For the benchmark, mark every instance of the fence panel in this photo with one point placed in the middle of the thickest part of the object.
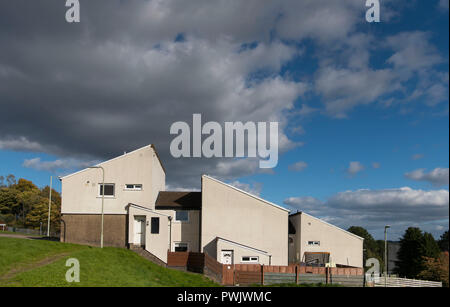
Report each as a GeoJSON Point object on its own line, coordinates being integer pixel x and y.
{"type": "Point", "coordinates": [247, 278]}
{"type": "Point", "coordinates": [279, 278]}
{"type": "Point", "coordinates": [347, 280]}
{"type": "Point", "coordinates": [213, 269]}
{"type": "Point", "coordinates": [186, 260]}
{"type": "Point", "coordinates": [312, 279]}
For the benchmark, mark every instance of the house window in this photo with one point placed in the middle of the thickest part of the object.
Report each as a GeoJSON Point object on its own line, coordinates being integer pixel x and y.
{"type": "Point", "coordinates": [182, 216]}
{"type": "Point", "coordinates": [250, 259]}
{"type": "Point", "coordinates": [313, 243]}
{"type": "Point", "coordinates": [108, 188]}
{"type": "Point", "coordinates": [155, 225]}
{"type": "Point", "coordinates": [181, 247]}
{"type": "Point", "coordinates": [133, 187]}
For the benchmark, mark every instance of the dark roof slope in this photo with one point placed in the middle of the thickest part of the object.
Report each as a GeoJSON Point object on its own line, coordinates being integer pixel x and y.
{"type": "Point", "coordinates": [179, 200]}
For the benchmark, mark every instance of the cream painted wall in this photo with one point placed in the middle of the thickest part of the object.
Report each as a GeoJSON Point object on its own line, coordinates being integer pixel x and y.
{"type": "Point", "coordinates": [236, 216]}
{"type": "Point", "coordinates": [80, 191]}
{"type": "Point", "coordinates": [186, 232]}
{"type": "Point", "coordinates": [239, 252]}
{"type": "Point", "coordinates": [344, 247]}
{"type": "Point", "coordinates": [157, 244]}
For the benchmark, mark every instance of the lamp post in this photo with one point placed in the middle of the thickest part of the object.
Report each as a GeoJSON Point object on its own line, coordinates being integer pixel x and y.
{"type": "Point", "coordinates": [103, 199]}
{"type": "Point", "coordinates": [385, 254]}
{"type": "Point", "coordinates": [49, 206]}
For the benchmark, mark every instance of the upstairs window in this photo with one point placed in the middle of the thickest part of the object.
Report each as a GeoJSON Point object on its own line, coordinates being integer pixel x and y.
{"type": "Point", "coordinates": [182, 216]}
{"type": "Point", "coordinates": [108, 190]}
{"type": "Point", "coordinates": [133, 187]}
{"type": "Point", "coordinates": [313, 243]}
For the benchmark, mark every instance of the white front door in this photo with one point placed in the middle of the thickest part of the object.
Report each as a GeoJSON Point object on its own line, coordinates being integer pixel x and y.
{"type": "Point", "coordinates": [139, 230]}
{"type": "Point", "coordinates": [227, 257]}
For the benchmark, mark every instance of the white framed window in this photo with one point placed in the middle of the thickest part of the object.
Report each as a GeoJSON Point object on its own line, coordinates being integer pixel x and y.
{"type": "Point", "coordinates": [313, 243]}
{"type": "Point", "coordinates": [182, 216]}
{"type": "Point", "coordinates": [109, 189]}
{"type": "Point", "coordinates": [181, 247]}
{"type": "Point", "coordinates": [250, 259]}
{"type": "Point", "coordinates": [133, 187]}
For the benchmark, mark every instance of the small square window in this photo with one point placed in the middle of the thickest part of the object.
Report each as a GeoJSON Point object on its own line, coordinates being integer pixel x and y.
{"type": "Point", "coordinates": [181, 247]}
{"type": "Point", "coordinates": [313, 243]}
{"type": "Point", "coordinates": [133, 187]}
{"type": "Point", "coordinates": [250, 259]}
{"type": "Point", "coordinates": [182, 216]}
{"type": "Point", "coordinates": [108, 188]}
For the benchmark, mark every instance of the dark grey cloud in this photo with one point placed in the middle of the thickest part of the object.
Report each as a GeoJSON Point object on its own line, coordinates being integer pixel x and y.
{"type": "Point", "coordinates": [117, 80]}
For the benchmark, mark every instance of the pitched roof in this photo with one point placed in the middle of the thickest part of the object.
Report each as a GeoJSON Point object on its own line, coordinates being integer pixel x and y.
{"type": "Point", "coordinates": [119, 157]}
{"type": "Point", "coordinates": [324, 222]}
{"type": "Point", "coordinates": [168, 200]}
{"type": "Point", "coordinates": [246, 193]}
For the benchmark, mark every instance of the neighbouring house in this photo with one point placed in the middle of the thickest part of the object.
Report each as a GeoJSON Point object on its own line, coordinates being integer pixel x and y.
{"type": "Point", "coordinates": [228, 224]}
{"type": "Point", "coordinates": [312, 240]}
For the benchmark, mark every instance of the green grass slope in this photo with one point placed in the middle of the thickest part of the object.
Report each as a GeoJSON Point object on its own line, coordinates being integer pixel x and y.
{"type": "Point", "coordinates": [43, 263]}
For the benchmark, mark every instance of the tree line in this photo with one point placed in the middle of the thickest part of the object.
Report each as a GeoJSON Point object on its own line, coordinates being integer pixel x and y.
{"type": "Point", "coordinates": [420, 256]}
{"type": "Point", "coordinates": [23, 204]}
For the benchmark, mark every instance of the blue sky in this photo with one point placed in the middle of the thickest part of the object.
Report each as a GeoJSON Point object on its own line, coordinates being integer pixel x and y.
{"type": "Point", "coordinates": [363, 108]}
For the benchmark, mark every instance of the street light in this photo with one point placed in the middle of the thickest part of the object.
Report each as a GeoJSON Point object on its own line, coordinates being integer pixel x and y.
{"type": "Point", "coordinates": [49, 206]}
{"type": "Point", "coordinates": [385, 254]}
{"type": "Point", "coordinates": [103, 199]}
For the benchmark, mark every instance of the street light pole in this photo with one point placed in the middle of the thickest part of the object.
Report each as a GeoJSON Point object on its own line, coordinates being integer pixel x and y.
{"type": "Point", "coordinates": [49, 207]}
{"type": "Point", "coordinates": [385, 254]}
{"type": "Point", "coordinates": [103, 199]}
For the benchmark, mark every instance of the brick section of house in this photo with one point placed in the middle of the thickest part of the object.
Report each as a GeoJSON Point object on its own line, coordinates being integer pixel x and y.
{"type": "Point", "coordinates": [86, 228]}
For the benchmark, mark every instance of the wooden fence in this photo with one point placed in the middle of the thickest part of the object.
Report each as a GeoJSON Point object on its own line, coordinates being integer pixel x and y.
{"type": "Point", "coordinates": [256, 274]}
{"type": "Point", "coordinates": [189, 261]}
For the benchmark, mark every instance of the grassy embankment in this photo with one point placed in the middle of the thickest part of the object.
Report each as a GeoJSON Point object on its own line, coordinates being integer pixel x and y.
{"type": "Point", "coordinates": [25, 262]}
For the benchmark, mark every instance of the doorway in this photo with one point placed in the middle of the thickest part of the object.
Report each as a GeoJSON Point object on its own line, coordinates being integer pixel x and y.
{"type": "Point", "coordinates": [226, 257]}
{"type": "Point", "coordinates": [139, 230]}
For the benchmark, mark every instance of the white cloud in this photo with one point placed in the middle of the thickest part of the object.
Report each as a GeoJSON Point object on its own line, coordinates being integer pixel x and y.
{"type": "Point", "coordinates": [376, 165]}
{"type": "Point", "coordinates": [298, 166]}
{"type": "Point", "coordinates": [372, 209]}
{"type": "Point", "coordinates": [443, 5]}
{"type": "Point", "coordinates": [254, 189]}
{"type": "Point", "coordinates": [56, 165]}
{"type": "Point", "coordinates": [234, 168]}
{"type": "Point", "coordinates": [413, 52]}
{"type": "Point", "coordinates": [343, 89]}
{"type": "Point", "coordinates": [306, 203]}
{"type": "Point", "coordinates": [382, 199]}
{"type": "Point", "coordinates": [354, 168]}
{"type": "Point", "coordinates": [438, 176]}
{"type": "Point", "coordinates": [20, 144]}
{"type": "Point", "coordinates": [417, 156]}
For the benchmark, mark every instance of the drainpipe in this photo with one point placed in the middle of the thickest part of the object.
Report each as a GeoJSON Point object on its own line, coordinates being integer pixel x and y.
{"type": "Point", "coordinates": [49, 207]}
{"type": "Point", "coordinates": [170, 233]}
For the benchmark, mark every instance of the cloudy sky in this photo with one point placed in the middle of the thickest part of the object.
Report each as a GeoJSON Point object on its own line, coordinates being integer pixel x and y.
{"type": "Point", "coordinates": [362, 108]}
